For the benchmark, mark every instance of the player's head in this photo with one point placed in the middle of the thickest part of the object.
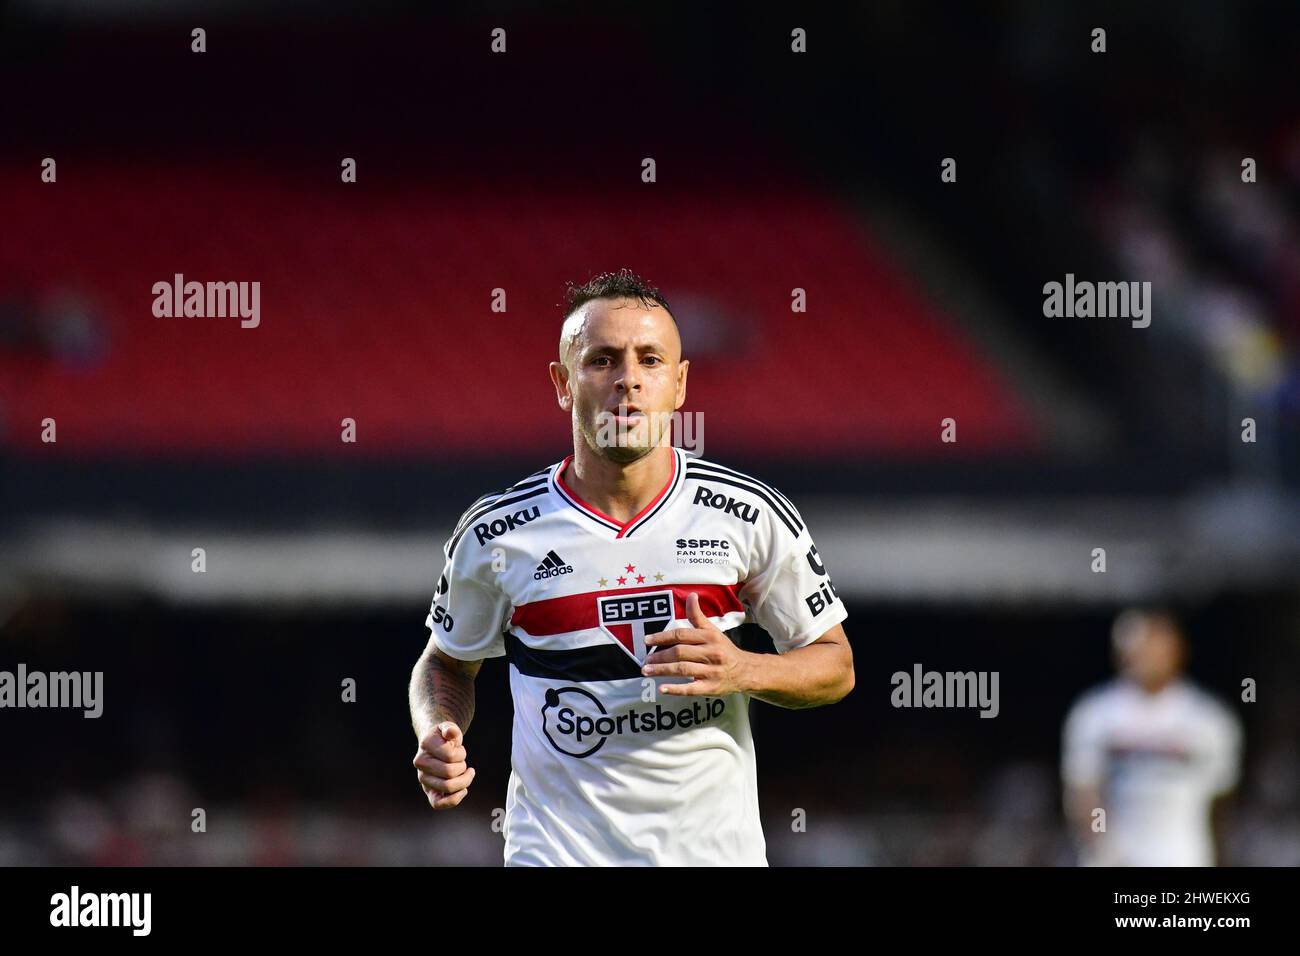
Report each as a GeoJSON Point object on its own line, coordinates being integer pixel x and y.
{"type": "Point", "coordinates": [621, 374]}
{"type": "Point", "coordinates": [1149, 646]}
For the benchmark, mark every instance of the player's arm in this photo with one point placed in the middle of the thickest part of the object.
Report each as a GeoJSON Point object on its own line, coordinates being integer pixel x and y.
{"type": "Point", "coordinates": [791, 596]}
{"type": "Point", "coordinates": [464, 623]}
{"type": "Point", "coordinates": [1224, 739]}
{"type": "Point", "coordinates": [1082, 762]}
{"type": "Point", "coordinates": [442, 706]}
{"type": "Point", "coordinates": [442, 688]}
{"type": "Point", "coordinates": [1081, 803]}
{"type": "Point", "coordinates": [814, 675]}
{"type": "Point", "coordinates": [818, 673]}
{"type": "Point", "coordinates": [1220, 813]}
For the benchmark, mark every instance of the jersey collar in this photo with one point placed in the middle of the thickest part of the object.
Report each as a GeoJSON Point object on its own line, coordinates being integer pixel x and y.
{"type": "Point", "coordinates": [638, 521]}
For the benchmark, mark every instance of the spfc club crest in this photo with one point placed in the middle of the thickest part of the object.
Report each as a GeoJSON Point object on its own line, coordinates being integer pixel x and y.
{"type": "Point", "coordinates": [628, 618]}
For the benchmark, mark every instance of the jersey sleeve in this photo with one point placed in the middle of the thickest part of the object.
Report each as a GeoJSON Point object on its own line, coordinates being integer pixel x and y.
{"type": "Point", "coordinates": [789, 592]}
{"type": "Point", "coordinates": [1083, 745]}
{"type": "Point", "coordinates": [1223, 749]}
{"type": "Point", "coordinates": [468, 615]}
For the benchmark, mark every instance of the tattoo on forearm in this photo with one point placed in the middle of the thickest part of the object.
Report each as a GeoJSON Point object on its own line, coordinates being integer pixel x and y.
{"type": "Point", "coordinates": [444, 694]}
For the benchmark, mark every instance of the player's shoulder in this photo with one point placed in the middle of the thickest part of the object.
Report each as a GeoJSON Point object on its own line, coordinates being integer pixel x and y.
{"type": "Point", "coordinates": [528, 493]}
{"type": "Point", "coordinates": [532, 485]}
{"type": "Point", "coordinates": [1207, 703]}
{"type": "Point", "coordinates": [739, 492]}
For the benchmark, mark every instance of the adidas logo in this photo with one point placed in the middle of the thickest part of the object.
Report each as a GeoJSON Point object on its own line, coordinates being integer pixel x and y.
{"type": "Point", "coordinates": [552, 566]}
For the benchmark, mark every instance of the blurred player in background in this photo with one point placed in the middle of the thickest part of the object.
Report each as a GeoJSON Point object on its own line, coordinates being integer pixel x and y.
{"type": "Point", "coordinates": [1154, 751]}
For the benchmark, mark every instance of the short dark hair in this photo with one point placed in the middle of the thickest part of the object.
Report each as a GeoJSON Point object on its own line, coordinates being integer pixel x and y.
{"type": "Point", "coordinates": [623, 284]}
{"type": "Point", "coordinates": [1148, 612]}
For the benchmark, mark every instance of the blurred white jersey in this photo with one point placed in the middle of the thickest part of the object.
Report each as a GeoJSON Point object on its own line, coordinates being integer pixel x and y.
{"type": "Point", "coordinates": [605, 770]}
{"type": "Point", "coordinates": [1159, 761]}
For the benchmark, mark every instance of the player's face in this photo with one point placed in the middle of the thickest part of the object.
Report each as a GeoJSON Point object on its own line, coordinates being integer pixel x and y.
{"type": "Point", "coordinates": [1154, 654]}
{"type": "Point", "coordinates": [622, 378]}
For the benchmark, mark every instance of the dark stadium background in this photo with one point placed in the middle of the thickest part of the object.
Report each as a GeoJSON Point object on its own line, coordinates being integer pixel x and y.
{"type": "Point", "coordinates": [521, 171]}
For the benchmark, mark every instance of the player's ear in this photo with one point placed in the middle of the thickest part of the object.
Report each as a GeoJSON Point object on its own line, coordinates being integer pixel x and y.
{"type": "Point", "coordinates": [560, 379]}
{"type": "Point", "coordinates": [683, 367]}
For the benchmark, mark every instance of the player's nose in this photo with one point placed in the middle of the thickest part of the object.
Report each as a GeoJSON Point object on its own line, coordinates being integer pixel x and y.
{"type": "Point", "coordinates": [630, 380]}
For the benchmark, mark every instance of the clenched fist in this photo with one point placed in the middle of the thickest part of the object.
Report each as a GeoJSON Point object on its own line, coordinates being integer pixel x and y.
{"type": "Point", "coordinates": [441, 767]}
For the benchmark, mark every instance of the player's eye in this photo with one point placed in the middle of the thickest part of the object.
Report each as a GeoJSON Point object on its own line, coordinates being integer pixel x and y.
{"type": "Point", "coordinates": [653, 359]}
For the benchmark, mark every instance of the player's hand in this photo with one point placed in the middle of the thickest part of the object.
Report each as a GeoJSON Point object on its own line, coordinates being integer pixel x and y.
{"type": "Point", "coordinates": [441, 767]}
{"type": "Point", "coordinates": [701, 651]}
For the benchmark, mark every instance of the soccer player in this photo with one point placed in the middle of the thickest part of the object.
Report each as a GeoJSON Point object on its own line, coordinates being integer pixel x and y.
{"type": "Point", "coordinates": [1150, 748]}
{"type": "Point", "coordinates": [610, 582]}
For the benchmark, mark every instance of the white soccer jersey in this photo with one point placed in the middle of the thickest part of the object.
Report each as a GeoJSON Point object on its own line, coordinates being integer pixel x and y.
{"type": "Point", "coordinates": [1160, 760]}
{"type": "Point", "coordinates": [605, 770]}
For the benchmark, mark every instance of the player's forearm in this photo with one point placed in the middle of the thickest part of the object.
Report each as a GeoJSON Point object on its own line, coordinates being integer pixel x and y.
{"type": "Point", "coordinates": [1081, 805]}
{"type": "Point", "coordinates": [1218, 827]}
{"type": "Point", "coordinates": [811, 676]}
{"type": "Point", "coordinates": [439, 693]}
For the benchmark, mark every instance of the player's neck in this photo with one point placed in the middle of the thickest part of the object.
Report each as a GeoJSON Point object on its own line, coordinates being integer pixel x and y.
{"type": "Point", "coordinates": [620, 491]}
{"type": "Point", "coordinates": [1152, 688]}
